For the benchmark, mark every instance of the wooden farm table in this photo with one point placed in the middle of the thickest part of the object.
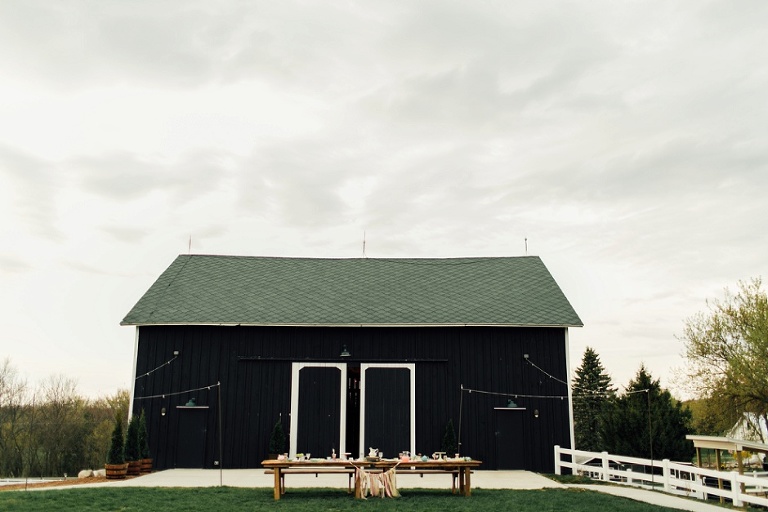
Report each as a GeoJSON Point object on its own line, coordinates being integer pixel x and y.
{"type": "Point", "coordinates": [462, 468]}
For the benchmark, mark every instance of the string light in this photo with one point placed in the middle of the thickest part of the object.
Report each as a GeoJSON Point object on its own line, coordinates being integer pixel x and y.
{"type": "Point", "coordinates": [527, 360]}
{"type": "Point", "coordinates": [511, 395]}
{"type": "Point", "coordinates": [153, 371]}
{"type": "Point", "coordinates": [561, 397]}
{"type": "Point", "coordinates": [179, 393]}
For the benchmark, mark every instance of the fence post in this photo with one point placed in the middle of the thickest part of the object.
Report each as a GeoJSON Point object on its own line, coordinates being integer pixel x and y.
{"type": "Point", "coordinates": [700, 493]}
{"type": "Point", "coordinates": [557, 460]}
{"type": "Point", "coordinates": [736, 489]}
{"type": "Point", "coordinates": [606, 467]}
{"type": "Point", "coordinates": [667, 474]}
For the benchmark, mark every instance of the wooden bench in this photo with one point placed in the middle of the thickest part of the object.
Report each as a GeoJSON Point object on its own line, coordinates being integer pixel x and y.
{"type": "Point", "coordinates": [313, 471]}
{"type": "Point", "coordinates": [351, 474]}
{"type": "Point", "coordinates": [421, 472]}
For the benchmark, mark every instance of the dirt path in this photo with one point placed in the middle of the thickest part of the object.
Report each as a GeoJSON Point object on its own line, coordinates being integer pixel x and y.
{"type": "Point", "coordinates": [36, 484]}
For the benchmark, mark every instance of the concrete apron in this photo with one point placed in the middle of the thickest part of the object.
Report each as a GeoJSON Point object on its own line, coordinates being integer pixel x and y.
{"type": "Point", "coordinates": [257, 478]}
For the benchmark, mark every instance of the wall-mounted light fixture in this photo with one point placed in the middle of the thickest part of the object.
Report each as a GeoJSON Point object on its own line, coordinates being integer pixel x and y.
{"type": "Point", "coordinates": [162, 411]}
{"type": "Point", "coordinates": [344, 351]}
{"type": "Point", "coordinates": [525, 356]}
{"type": "Point", "coordinates": [176, 352]}
{"type": "Point", "coordinates": [535, 413]}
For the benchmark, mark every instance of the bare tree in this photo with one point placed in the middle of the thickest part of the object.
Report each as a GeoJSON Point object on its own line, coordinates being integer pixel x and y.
{"type": "Point", "coordinates": [53, 430]}
{"type": "Point", "coordinates": [62, 429]}
{"type": "Point", "coordinates": [102, 413]}
{"type": "Point", "coordinates": [13, 392]}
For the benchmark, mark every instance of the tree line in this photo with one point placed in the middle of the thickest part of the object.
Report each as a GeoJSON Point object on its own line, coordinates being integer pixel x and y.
{"type": "Point", "coordinates": [643, 421]}
{"type": "Point", "coordinates": [726, 349]}
{"type": "Point", "coordinates": [52, 430]}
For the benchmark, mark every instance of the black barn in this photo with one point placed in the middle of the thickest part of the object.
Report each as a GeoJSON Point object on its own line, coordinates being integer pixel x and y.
{"type": "Point", "coordinates": [351, 354]}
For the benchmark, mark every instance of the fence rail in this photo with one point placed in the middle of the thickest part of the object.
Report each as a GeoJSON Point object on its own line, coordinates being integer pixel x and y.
{"type": "Point", "coordinates": [664, 475]}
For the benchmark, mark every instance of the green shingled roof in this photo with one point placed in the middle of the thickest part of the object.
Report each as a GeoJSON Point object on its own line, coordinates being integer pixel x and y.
{"type": "Point", "coordinates": [198, 289]}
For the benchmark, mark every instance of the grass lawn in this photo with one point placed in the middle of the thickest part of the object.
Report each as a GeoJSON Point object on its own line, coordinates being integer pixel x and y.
{"type": "Point", "coordinates": [312, 500]}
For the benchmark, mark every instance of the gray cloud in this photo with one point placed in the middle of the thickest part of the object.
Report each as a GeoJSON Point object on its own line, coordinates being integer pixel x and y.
{"type": "Point", "coordinates": [125, 176]}
{"type": "Point", "coordinates": [106, 42]}
{"type": "Point", "coordinates": [129, 235]}
{"type": "Point", "coordinates": [169, 44]}
{"type": "Point", "coordinates": [13, 264]}
{"type": "Point", "coordinates": [298, 184]}
{"type": "Point", "coordinates": [34, 182]}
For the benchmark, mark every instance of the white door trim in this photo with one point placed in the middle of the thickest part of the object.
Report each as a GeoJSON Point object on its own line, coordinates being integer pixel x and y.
{"type": "Point", "coordinates": [295, 369]}
{"type": "Point", "coordinates": [411, 367]}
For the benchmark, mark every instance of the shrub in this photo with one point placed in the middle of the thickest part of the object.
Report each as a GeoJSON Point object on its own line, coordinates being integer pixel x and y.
{"type": "Point", "coordinates": [117, 448]}
{"type": "Point", "coordinates": [450, 446]}
{"type": "Point", "coordinates": [277, 439]}
{"type": "Point", "coordinates": [132, 440]}
{"type": "Point", "coordinates": [143, 439]}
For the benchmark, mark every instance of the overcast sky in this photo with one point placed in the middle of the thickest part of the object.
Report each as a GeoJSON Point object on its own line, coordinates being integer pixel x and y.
{"type": "Point", "coordinates": [627, 141]}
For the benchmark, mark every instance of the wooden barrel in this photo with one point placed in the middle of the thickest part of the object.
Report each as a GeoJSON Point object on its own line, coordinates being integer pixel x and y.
{"type": "Point", "coordinates": [134, 467]}
{"type": "Point", "coordinates": [115, 471]}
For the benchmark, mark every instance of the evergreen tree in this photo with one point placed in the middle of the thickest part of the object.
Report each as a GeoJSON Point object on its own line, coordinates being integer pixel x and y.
{"type": "Point", "coordinates": [132, 450]}
{"type": "Point", "coordinates": [143, 437]}
{"type": "Point", "coordinates": [117, 451]}
{"type": "Point", "coordinates": [591, 392]}
{"type": "Point", "coordinates": [277, 438]}
{"type": "Point", "coordinates": [647, 422]}
{"type": "Point", "coordinates": [450, 444]}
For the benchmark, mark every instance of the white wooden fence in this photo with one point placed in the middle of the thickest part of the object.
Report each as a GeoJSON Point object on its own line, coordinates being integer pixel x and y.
{"type": "Point", "coordinates": [663, 475]}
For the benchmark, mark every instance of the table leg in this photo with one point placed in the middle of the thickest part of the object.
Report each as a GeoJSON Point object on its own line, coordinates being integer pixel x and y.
{"type": "Point", "coordinates": [277, 483]}
{"type": "Point", "coordinates": [467, 486]}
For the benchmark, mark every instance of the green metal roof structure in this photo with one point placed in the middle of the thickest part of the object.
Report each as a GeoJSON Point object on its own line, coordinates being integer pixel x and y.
{"type": "Point", "coordinates": [240, 290]}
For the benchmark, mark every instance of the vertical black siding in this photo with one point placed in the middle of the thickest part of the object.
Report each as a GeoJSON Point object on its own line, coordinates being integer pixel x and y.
{"type": "Point", "coordinates": [253, 365]}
